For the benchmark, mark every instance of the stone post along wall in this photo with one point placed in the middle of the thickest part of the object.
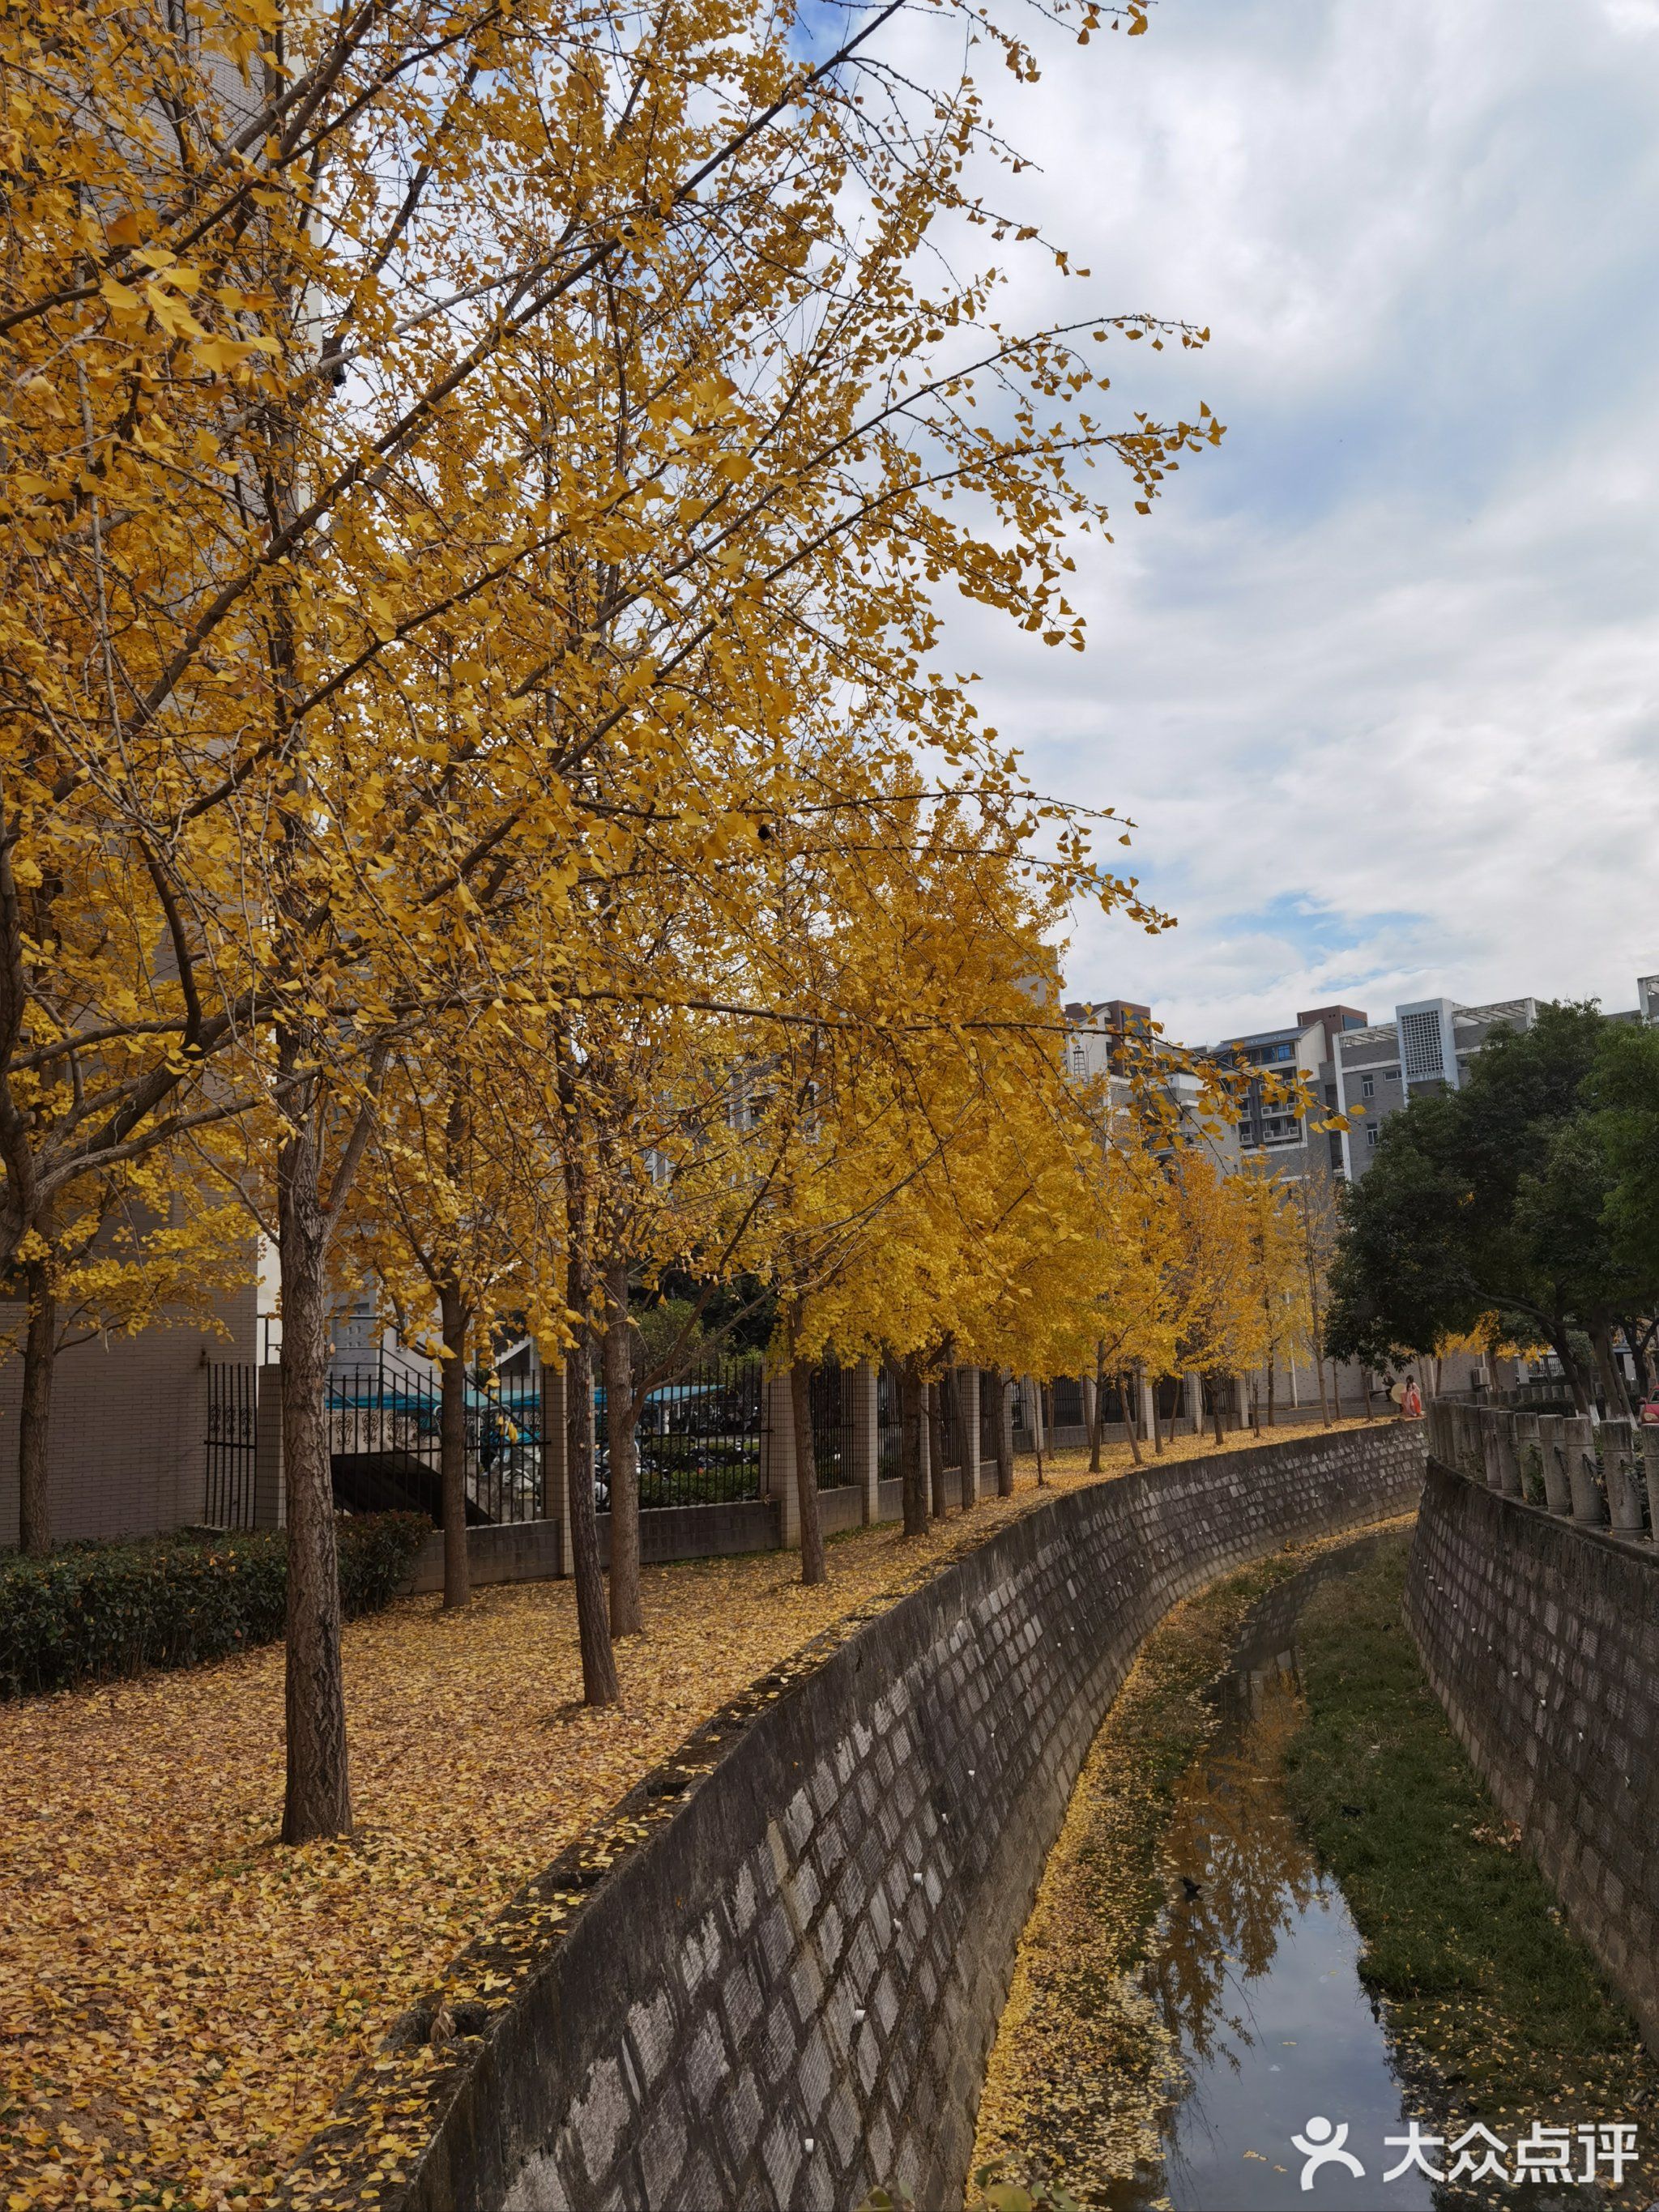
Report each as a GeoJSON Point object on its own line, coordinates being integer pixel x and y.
{"type": "Point", "coordinates": [785, 1995]}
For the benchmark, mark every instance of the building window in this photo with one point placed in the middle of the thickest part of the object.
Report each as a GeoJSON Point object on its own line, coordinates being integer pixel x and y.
{"type": "Point", "coordinates": [1370, 1136]}
{"type": "Point", "coordinates": [1367, 1086]}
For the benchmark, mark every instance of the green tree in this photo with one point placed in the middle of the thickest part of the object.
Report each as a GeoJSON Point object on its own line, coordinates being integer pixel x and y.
{"type": "Point", "coordinates": [1492, 1206]}
{"type": "Point", "coordinates": [1625, 1092]}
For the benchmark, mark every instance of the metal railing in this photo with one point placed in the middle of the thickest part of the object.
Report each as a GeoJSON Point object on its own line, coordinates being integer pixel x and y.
{"type": "Point", "coordinates": [831, 1396]}
{"type": "Point", "coordinates": [232, 1420]}
{"type": "Point", "coordinates": [889, 1422]}
{"type": "Point", "coordinates": [384, 1447]}
{"type": "Point", "coordinates": [994, 1396]}
{"type": "Point", "coordinates": [1065, 1402]}
{"type": "Point", "coordinates": [699, 1438]}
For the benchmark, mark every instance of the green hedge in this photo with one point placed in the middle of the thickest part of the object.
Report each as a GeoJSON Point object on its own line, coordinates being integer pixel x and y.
{"type": "Point", "coordinates": [92, 1611]}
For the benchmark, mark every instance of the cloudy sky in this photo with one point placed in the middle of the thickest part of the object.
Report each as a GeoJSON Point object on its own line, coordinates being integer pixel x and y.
{"type": "Point", "coordinates": [1379, 679]}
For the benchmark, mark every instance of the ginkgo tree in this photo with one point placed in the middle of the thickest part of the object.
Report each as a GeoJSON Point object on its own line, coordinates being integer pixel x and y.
{"type": "Point", "coordinates": [414, 414]}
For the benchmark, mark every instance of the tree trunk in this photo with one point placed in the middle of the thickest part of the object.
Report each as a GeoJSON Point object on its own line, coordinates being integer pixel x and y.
{"type": "Point", "coordinates": [1148, 1397]}
{"type": "Point", "coordinates": [599, 1683]}
{"type": "Point", "coordinates": [1255, 1407]}
{"type": "Point", "coordinates": [451, 1445]}
{"type": "Point", "coordinates": [319, 1795]}
{"type": "Point", "coordinates": [936, 1450]}
{"type": "Point", "coordinates": [1217, 1413]}
{"type": "Point", "coordinates": [622, 1423]}
{"type": "Point", "coordinates": [1336, 1389]}
{"type": "Point", "coordinates": [1130, 1426]}
{"type": "Point", "coordinates": [1606, 1366]}
{"type": "Point", "coordinates": [1319, 1376]}
{"type": "Point", "coordinates": [1097, 1417]}
{"type": "Point", "coordinates": [814, 1568]}
{"type": "Point", "coordinates": [1004, 1447]}
{"type": "Point", "coordinates": [1273, 1391]}
{"type": "Point", "coordinates": [1639, 1342]}
{"type": "Point", "coordinates": [35, 1415]}
{"type": "Point", "coordinates": [913, 1467]}
{"type": "Point", "coordinates": [1583, 1397]}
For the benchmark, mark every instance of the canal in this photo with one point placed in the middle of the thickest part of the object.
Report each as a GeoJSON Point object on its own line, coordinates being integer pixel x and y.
{"type": "Point", "coordinates": [1243, 2021]}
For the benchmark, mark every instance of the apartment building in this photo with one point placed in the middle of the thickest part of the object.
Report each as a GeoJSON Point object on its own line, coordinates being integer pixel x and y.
{"type": "Point", "coordinates": [1291, 1137]}
{"type": "Point", "coordinates": [1108, 1038]}
{"type": "Point", "coordinates": [1428, 1046]}
{"type": "Point", "coordinates": [1346, 1065]}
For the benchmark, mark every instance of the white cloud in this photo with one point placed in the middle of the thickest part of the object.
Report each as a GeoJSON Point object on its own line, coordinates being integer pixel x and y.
{"type": "Point", "coordinates": [1380, 678]}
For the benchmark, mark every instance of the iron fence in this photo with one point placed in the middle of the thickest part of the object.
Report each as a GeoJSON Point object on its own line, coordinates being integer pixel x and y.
{"type": "Point", "coordinates": [889, 1422]}
{"type": "Point", "coordinates": [700, 1438]}
{"type": "Point", "coordinates": [233, 1411]}
{"type": "Point", "coordinates": [831, 1396]}
{"type": "Point", "coordinates": [993, 1401]}
{"type": "Point", "coordinates": [1065, 1402]}
{"type": "Point", "coordinates": [384, 1444]}
{"type": "Point", "coordinates": [949, 1436]}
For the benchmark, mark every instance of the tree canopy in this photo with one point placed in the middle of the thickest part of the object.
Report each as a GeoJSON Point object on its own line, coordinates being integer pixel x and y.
{"type": "Point", "coordinates": [1513, 1206]}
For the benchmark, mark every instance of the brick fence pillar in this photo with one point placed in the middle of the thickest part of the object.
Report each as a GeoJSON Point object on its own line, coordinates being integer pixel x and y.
{"type": "Point", "coordinates": [778, 1454]}
{"type": "Point", "coordinates": [867, 1440]}
{"type": "Point", "coordinates": [1588, 1505]}
{"type": "Point", "coordinates": [269, 1486]}
{"type": "Point", "coordinates": [967, 1399]}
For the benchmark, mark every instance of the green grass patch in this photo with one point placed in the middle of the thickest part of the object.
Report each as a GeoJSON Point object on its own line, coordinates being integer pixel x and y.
{"type": "Point", "coordinates": [1463, 1937]}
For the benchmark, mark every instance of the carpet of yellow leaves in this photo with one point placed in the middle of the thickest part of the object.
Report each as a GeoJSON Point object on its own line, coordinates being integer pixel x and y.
{"type": "Point", "coordinates": [182, 1999]}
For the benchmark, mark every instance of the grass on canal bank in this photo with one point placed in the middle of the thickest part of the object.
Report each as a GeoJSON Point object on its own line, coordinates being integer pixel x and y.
{"type": "Point", "coordinates": [1463, 1939]}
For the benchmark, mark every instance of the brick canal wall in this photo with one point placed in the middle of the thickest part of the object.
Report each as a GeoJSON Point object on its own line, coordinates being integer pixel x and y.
{"type": "Point", "coordinates": [1542, 1638]}
{"type": "Point", "coordinates": [785, 1994]}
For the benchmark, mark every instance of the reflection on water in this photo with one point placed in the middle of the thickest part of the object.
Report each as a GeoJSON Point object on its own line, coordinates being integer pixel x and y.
{"type": "Point", "coordinates": [1255, 1974]}
{"type": "Point", "coordinates": [1257, 1971]}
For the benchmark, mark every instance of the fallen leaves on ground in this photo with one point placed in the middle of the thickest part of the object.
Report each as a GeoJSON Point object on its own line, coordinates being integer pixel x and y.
{"type": "Point", "coordinates": [182, 1998]}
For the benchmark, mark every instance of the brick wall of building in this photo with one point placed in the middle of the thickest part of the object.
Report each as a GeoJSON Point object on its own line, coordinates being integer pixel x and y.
{"type": "Point", "coordinates": [1541, 1638]}
{"type": "Point", "coordinates": [785, 1993]}
{"type": "Point", "coordinates": [128, 1425]}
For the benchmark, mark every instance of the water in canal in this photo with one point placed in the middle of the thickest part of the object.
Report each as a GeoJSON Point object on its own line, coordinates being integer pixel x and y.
{"type": "Point", "coordinates": [1256, 1977]}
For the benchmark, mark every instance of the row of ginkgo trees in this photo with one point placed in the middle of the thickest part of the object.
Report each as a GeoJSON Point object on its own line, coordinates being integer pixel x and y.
{"type": "Point", "coordinates": [477, 488]}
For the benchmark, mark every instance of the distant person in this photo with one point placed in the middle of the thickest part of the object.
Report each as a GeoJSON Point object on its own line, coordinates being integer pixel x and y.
{"type": "Point", "coordinates": [1411, 1401]}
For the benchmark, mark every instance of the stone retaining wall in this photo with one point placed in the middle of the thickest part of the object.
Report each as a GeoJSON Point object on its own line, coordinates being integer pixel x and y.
{"type": "Point", "coordinates": [785, 1993]}
{"type": "Point", "coordinates": [1542, 1638]}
